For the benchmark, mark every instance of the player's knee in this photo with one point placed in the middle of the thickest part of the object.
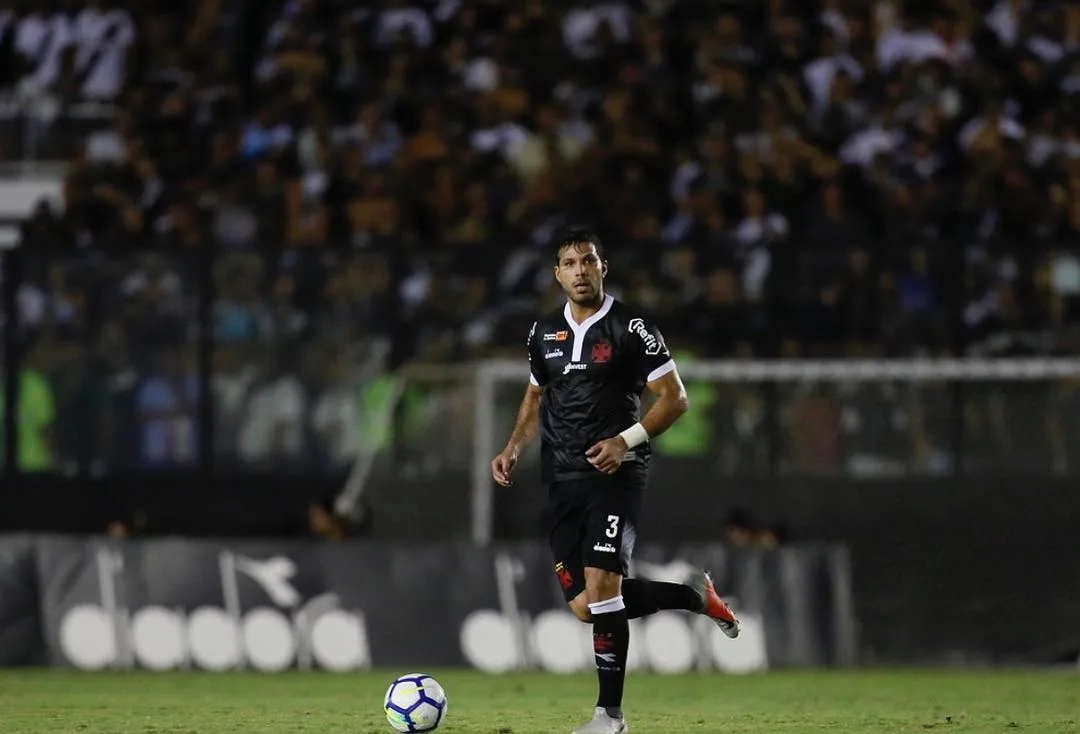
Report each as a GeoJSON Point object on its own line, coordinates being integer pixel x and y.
{"type": "Point", "coordinates": [602, 585]}
{"type": "Point", "coordinates": [579, 605]}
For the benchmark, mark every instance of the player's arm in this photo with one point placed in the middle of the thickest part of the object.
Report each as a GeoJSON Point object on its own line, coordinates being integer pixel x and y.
{"type": "Point", "coordinates": [662, 378]}
{"type": "Point", "coordinates": [527, 424]}
{"type": "Point", "coordinates": [525, 427]}
{"type": "Point", "coordinates": [671, 402]}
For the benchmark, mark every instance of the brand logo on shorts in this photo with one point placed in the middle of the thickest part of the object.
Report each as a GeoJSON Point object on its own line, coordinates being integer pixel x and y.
{"type": "Point", "coordinates": [604, 548]}
{"type": "Point", "coordinates": [553, 355]}
{"type": "Point", "coordinates": [558, 336]}
{"type": "Point", "coordinates": [601, 352]}
{"type": "Point", "coordinates": [574, 366]}
{"type": "Point", "coordinates": [563, 574]}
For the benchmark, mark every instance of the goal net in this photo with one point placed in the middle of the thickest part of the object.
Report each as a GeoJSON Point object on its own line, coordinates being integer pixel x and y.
{"type": "Point", "coordinates": [846, 418]}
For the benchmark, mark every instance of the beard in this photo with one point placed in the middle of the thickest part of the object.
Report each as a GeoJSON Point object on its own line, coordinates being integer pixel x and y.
{"type": "Point", "coordinates": [591, 298]}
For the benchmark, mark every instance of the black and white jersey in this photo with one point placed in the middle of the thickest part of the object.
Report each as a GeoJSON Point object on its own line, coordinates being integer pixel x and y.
{"type": "Point", "coordinates": [593, 375]}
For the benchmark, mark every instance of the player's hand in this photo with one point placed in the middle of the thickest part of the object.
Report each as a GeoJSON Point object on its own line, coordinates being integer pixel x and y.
{"type": "Point", "coordinates": [607, 455]}
{"type": "Point", "coordinates": [502, 466]}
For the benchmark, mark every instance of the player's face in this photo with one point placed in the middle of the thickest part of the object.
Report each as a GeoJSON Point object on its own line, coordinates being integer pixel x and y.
{"type": "Point", "coordinates": [581, 273]}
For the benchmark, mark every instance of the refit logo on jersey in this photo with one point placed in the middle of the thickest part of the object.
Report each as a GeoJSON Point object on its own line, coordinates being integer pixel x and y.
{"type": "Point", "coordinates": [558, 336]}
{"type": "Point", "coordinates": [570, 367]}
{"type": "Point", "coordinates": [653, 346]}
{"type": "Point", "coordinates": [553, 355]}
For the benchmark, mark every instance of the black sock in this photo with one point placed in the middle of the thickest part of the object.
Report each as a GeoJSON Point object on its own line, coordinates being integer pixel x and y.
{"type": "Point", "coordinates": [649, 597]}
{"type": "Point", "coordinates": [611, 642]}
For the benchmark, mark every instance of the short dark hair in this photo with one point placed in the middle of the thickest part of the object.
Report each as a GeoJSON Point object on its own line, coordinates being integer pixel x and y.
{"type": "Point", "coordinates": [577, 236]}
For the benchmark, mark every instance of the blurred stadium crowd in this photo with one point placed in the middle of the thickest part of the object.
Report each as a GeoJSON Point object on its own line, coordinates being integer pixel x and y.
{"type": "Point", "coordinates": [772, 177]}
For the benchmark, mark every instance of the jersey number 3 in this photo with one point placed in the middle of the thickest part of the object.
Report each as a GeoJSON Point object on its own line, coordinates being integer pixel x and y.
{"type": "Point", "coordinates": [613, 526]}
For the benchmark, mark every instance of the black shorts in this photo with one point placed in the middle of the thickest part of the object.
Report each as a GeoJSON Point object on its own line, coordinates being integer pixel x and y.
{"type": "Point", "coordinates": [594, 524]}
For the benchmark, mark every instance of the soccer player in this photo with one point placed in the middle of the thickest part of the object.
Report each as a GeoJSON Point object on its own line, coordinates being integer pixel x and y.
{"type": "Point", "coordinates": [589, 363]}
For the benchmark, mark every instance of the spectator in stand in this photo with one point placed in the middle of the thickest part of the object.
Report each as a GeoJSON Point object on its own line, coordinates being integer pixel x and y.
{"type": "Point", "coordinates": [852, 178]}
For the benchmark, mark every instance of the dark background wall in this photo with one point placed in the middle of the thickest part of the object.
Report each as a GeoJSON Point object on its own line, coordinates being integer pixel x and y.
{"type": "Point", "coordinates": [956, 570]}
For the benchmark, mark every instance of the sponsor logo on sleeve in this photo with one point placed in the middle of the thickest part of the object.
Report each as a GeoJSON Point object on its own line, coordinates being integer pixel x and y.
{"type": "Point", "coordinates": [653, 345]}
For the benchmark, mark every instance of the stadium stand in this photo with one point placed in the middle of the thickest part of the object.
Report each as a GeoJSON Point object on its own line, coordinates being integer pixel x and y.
{"type": "Point", "coordinates": [777, 178]}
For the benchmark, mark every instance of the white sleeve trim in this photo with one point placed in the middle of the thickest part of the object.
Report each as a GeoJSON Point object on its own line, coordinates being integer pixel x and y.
{"type": "Point", "coordinates": [533, 380]}
{"type": "Point", "coordinates": [661, 370]}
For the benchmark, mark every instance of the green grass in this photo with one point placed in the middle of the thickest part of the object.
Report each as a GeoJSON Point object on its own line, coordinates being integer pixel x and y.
{"type": "Point", "coordinates": [35, 702]}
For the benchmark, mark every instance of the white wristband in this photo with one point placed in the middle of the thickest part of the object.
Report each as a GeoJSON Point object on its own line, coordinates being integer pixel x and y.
{"type": "Point", "coordinates": [635, 435]}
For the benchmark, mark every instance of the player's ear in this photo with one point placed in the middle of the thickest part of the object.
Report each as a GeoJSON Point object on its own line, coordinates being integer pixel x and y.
{"type": "Point", "coordinates": [603, 268]}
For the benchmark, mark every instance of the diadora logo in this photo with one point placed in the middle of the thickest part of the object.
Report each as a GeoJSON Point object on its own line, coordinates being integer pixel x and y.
{"type": "Point", "coordinates": [653, 345]}
{"type": "Point", "coordinates": [604, 548]}
{"type": "Point", "coordinates": [553, 355]}
{"type": "Point", "coordinates": [558, 336]}
{"type": "Point", "coordinates": [292, 630]}
{"type": "Point", "coordinates": [570, 367]}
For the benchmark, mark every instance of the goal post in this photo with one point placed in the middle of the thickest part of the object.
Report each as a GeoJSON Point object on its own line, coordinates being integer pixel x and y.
{"type": "Point", "coordinates": [493, 378]}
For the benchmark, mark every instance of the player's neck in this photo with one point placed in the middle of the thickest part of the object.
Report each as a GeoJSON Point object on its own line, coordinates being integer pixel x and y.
{"type": "Point", "coordinates": [579, 311]}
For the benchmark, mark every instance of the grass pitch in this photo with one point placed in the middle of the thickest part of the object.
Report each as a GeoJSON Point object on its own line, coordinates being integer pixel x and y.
{"type": "Point", "coordinates": [36, 702]}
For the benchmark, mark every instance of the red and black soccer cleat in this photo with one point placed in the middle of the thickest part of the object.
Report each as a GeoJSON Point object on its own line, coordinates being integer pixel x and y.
{"type": "Point", "coordinates": [713, 606]}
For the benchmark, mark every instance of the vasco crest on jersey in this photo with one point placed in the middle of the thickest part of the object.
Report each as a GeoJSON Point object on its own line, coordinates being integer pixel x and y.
{"type": "Point", "coordinates": [601, 352]}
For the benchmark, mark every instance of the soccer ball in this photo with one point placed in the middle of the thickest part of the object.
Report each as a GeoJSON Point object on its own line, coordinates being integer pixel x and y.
{"type": "Point", "coordinates": [415, 702]}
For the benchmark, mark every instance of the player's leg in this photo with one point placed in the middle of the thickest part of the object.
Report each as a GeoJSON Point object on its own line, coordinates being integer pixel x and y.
{"type": "Point", "coordinates": [568, 509]}
{"type": "Point", "coordinates": [640, 596]}
{"type": "Point", "coordinates": [643, 598]}
{"type": "Point", "coordinates": [609, 539]}
{"type": "Point", "coordinates": [697, 595]}
{"type": "Point", "coordinates": [568, 504]}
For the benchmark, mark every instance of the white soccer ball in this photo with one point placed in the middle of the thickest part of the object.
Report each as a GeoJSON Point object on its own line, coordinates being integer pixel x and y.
{"type": "Point", "coordinates": [415, 702]}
